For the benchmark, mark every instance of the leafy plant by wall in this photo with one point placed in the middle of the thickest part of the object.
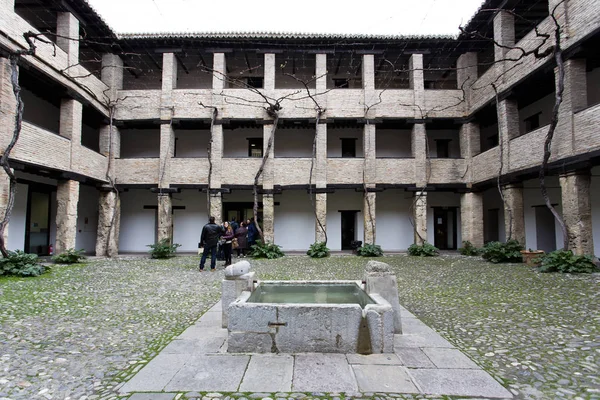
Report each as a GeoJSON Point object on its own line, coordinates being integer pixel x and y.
{"type": "Point", "coordinates": [18, 263]}
{"type": "Point", "coordinates": [498, 252]}
{"type": "Point", "coordinates": [567, 262]}
{"type": "Point", "coordinates": [318, 250]}
{"type": "Point", "coordinates": [424, 250]}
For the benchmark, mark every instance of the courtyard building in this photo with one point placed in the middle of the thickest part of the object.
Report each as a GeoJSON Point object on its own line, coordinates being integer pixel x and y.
{"type": "Point", "coordinates": [391, 140]}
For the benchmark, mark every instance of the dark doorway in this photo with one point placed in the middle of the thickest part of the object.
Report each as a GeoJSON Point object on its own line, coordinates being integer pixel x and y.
{"type": "Point", "coordinates": [445, 232]}
{"type": "Point", "coordinates": [493, 215]}
{"type": "Point", "coordinates": [545, 229]}
{"type": "Point", "coordinates": [241, 211]}
{"type": "Point", "coordinates": [37, 226]}
{"type": "Point", "coordinates": [348, 229]}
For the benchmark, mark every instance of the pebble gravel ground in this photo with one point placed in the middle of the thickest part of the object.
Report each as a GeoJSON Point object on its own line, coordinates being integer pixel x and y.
{"type": "Point", "coordinates": [81, 331]}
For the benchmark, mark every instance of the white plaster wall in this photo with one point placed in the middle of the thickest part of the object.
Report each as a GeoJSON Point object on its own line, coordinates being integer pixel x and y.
{"type": "Point", "coordinates": [595, 194]}
{"type": "Point", "coordinates": [87, 219]}
{"type": "Point", "coordinates": [453, 146]}
{"type": "Point", "coordinates": [40, 112]}
{"type": "Point", "coordinates": [394, 231]}
{"type": "Point", "coordinates": [188, 223]}
{"type": "Point", "coordinates": [294, 221]}
{"type": "Point", "coordinates": [334, 144]}
{"type": "Point", "coordinates": [138, 226]}
{"type": "Point", "coordinates": [543, 105]}
{"type": "Point", "coordinates": [593, 87]}
{"type": "Point", "coordinates": [140, 143]}
{"type": "Point", "coordinates": [292, 142]}
{"type": "Point", "coordinates": [235, 141]}
{"type": "Point", "coordinates": [16, 227]}
{"type": "Point", "coordinates": [443, 199]}
{"type": "Point", "coordinates": [532, 196]}
{"type": "Point", "coordinates": [346, 199]}
{"type": "Point", "coordinates": [394, 143]}
{"type": "Point", "coordinates": [191, 143]}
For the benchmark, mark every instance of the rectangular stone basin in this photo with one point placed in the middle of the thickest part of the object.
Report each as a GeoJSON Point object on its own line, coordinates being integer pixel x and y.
{"type": "Point", "coordinates": [310, 316]}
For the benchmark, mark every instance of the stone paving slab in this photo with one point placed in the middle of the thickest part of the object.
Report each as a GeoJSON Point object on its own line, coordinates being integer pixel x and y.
{"type": "Point", "coordinates": [423, 362]}
{"type": "Point", "coordinates": [458, 382]}
{"type": "Point", "coordinates": [449, 358]}
{"type": "Point", "coordinates": [374, 359]}
{"type": "Point", "coordinates": [413, 357]}
{"type": "Point", "coordinates": [268, 373]}
{"type": "Point", "coordinates": [155, 376]}
{"type": "Point", "coordinates": [195, 346]}
{"type": "Point", "coordinates": [210, 373]}
{"type": "Point", "coordinates": [317, 372]}
{"type": "Point", "coordinates": [153, 396]}
{"type": "Point", "coordinates": [383, 378]}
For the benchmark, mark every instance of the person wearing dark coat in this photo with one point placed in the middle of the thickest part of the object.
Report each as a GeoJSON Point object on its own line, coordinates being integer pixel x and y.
{"type": "Point", "coordinates": [228, 237]}
{"type": "Point", "coordinates": [209, 238]}
{"type": "Point", "coordinates": [240, 235]}
{"type": "Point", "coordinates": [252, 233]}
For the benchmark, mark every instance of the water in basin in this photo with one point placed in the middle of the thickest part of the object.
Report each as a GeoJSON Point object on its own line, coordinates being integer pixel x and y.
{"type": "Point", "coordinates": [311, 293]}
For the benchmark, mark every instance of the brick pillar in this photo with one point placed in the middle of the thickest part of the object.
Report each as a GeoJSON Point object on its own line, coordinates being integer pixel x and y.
{"type": "Point", "coordinates": [216, 207]}
{"type": "Point", "coordinates": [4, 192]}
{"type": "Point", "coordinates": [67, 30]}
{"type": "Point", "coordinates": [577, 211]}
{"type": "Point", "coordinates": [369, 217]}
{"type": "Point", "coordinates": [267, 178]}
{"type": "Point", "coordinates": [320, 181]}
{"type": "Point", "coordinates": [504, 33]}
{"type": "Point", "coordinates": [368, 72]}
{"type": "Point", "coordinates": [470, 146]}
{"type": "Point", "coordinates": [167, 148]}
{"type": "Point", "coordinates": [471, 218]}
{"type": "Point", "coordinates": [420, 217]}
{"type": "Point", "coordinates": [466, 73]}
{"type": "Point", "coordinates": [269, 78]}
{"type": "Point", "coordinates": [7, 6]}
{"type": "Point", "coordinates": [110, 141]}
{"type": "Point", "coordinates": [268, 218]}
{"type": "Point", "coordinates": [67, 197]}
{"type": "Point", "coordinates": [508, 128]}
{"type": "Point", "coordinates": [466, 70]}
{"type": "Point", "coordinates": [417, 84]}
{"type": "Point", "coordinates": [321, 74]}
{"type": "Point", "coordinates": [321, 208]}
{"type": "Point", "coordinates": [112, 73]}
{"type": "Point", "coordinates": [574, 99]}
{"type": "Point", "coordinates": [70, 120]}
{"type": "Point", "coordinates": [513, 197]}
{"type": "Point", "coordinates": [109, 220]}
{"type": "Point", "coordinates": [419, 153]}
{"type": "Point", "coordinates": [219, 71]}
{"type": "Point", "coordinates": [165, 217]}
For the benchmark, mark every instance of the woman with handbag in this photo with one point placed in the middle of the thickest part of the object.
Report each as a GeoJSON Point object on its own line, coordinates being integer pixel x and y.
{"type": "Point", "coordinates": [228, 237]}
{"type": "Point", "coordinates": [242, 240]}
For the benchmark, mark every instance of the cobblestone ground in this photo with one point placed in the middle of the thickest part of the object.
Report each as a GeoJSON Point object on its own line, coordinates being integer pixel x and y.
{"type": "Point", "coordinates": [81, 331]}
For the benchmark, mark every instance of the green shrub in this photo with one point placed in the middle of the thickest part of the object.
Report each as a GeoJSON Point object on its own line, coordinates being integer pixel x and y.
{"type": "Point", "coordinates": [71, 256]}
{"type": "Point", "coordinates": [498, 252]}
{"type": "Point", "coordinates": [318, 250]}
{"type": "Point", "coordinates": [163, 249]}
{"type": "Point", "coordinates": [425, 250]}
{"type": "Point", "coordinates": [567, 262]}
{"type": "Point", "coordinates": [369, 250]}
{"type": "Point", "coordinates": [266, 250]}
{"type": "Point", "coordinates": [468, 249]}
{"type": "Point", "coordinates": [21, 264]}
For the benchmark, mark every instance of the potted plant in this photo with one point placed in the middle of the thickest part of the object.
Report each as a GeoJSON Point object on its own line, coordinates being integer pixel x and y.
{"type": "Point", "coordinates": [532, 257]}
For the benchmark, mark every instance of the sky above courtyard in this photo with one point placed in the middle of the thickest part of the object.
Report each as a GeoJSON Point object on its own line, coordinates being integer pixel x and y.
{"type": "Point", "coordinates": [374, 17]}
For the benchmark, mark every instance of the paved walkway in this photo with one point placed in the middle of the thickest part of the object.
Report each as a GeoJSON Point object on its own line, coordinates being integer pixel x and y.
{"type": "Point", "coordinates": [423, 363]}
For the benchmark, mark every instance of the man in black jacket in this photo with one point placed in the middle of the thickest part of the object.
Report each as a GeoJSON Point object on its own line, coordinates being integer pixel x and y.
{"type": "Point", "coordinates": [211, 233]}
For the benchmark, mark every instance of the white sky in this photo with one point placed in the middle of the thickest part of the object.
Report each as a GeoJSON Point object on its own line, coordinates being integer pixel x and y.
{"type": "Point", "coordinates": [389, 17]}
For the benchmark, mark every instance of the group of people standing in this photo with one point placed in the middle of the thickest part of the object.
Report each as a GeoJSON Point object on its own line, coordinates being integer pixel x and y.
{"type": "Point", "coordinates": [231, 235]}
